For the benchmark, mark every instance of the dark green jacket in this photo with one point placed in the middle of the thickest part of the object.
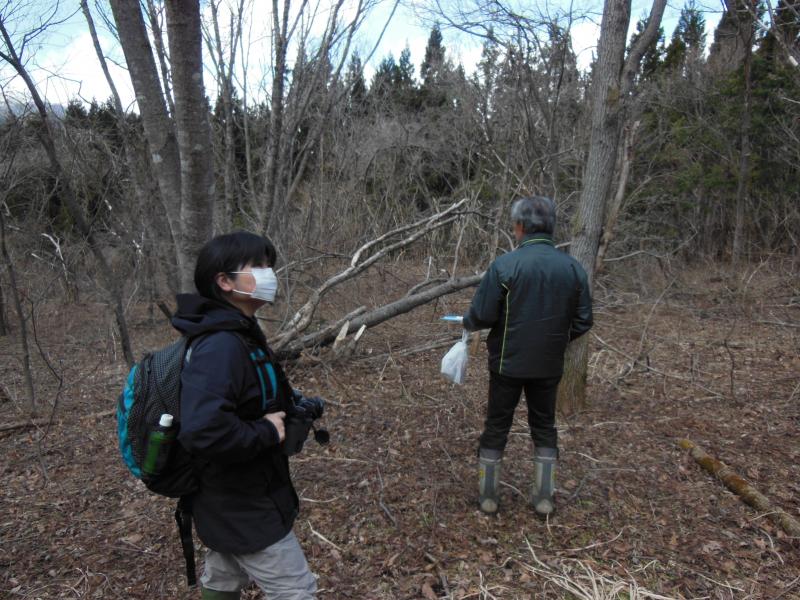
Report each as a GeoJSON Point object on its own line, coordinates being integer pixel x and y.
{"type": "Point", "coordinates": [535, 300]}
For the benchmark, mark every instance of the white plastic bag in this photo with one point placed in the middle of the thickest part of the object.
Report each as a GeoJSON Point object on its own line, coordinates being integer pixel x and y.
{"type": "Point", "coordinates": [454, 363]}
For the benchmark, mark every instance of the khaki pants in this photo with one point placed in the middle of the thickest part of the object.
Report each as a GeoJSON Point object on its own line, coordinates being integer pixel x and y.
{"type": "Point", "coordinates": [280, 571]}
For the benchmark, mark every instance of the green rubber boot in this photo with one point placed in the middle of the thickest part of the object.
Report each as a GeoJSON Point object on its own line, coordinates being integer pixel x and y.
{"type": "Point", "coordinates": [544, 481]}
{"type": "Point", "coordinates": [207, 594]}
{"type": "Point", "coordinates": [489, 462]}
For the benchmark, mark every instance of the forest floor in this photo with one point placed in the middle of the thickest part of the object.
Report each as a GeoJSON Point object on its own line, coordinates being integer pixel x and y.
{"type": "Point", "coordinates": [389, 507]}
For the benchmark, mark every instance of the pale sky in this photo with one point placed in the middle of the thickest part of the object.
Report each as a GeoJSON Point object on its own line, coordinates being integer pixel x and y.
{"type": "Point", "coordinates": [64, 65]}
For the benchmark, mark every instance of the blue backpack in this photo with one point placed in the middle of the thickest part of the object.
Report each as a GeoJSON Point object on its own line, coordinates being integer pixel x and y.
{"type": "Point", "coordinates": [153, 388]}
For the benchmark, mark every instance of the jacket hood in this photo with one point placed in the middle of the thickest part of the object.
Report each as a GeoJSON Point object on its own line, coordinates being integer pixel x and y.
{"type": "Point", "coordinates": [197, 314]}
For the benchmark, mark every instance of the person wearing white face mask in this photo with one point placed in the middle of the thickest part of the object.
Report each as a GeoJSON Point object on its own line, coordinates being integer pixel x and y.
{"type": "Point", "coordinates": [265, 284]}
{"type": "Point", "coordinates": [234, 399]}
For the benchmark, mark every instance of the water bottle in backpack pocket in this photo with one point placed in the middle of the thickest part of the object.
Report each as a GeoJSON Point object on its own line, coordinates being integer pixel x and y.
{"type": "Point", "coordinates": [159, 447]}
{"type": "Point", "coordinates": [148, 446]}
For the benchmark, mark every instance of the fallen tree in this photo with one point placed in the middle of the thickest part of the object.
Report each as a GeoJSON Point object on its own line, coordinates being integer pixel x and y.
{"type": "Point", "coordinates": [378, 315]}
{"type": "Point", "coordinates": [741, 488]}
{"type": "Point", "coordinates": [293, 338]}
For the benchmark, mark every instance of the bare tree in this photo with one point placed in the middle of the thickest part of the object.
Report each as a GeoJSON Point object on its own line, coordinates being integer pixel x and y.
{"type": "Point", "coordinates": [742, 17]}
{"type": "Point", "coordinates": [12, 55]}
{"type": "Point", "coordinates": [224, 59]}
{"type": "Point", "coordinates": [139, 170]}
{"type": "Point", "coordinates": [611, 86]}
{"type": "Point", "coordinates": [11, 275]}
{"type": "Point", "coordinates": [180, 148]}
{"type": "Point", "coordinates": [288, 153]}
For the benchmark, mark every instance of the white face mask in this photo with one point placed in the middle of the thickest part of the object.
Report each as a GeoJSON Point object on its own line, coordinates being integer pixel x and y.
{"type": "Point", "coordinates": [266, 284]}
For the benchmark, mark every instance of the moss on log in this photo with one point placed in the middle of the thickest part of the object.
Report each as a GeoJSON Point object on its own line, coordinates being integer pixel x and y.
{"type": "Point", "coordinates": [741, 488]}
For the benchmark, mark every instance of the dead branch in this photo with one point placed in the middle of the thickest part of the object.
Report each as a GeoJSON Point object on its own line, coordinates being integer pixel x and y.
{"type": "Point", "coordinates": [647, 367]}
{"type": "Point", "coordinates": [24, 424]}
{"type": "Point", "coordinates": [101, 414]}
{"type": "Point", "coordinates": [379, 315]}
{"type": "Point", "coordinates": [162, 306]}
{"type": "Point", "coordinates": [302, 318]}
{"type": "Point", "coordinates": [780, 324]}
{"type": "Point", "coordinates": [741, 488]}
{"type": "Point", "coordinates": [308, 341]}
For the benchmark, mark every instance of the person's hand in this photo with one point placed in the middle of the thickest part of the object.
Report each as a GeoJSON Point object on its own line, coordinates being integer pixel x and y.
{"type": "Point", "coordinates": [276, 419]}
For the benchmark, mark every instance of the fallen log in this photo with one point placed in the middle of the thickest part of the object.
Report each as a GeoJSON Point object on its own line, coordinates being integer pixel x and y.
{"type": "Point", "coordinates": [378, 315]}
{"type": "Point", "coordinates": [741, 488]}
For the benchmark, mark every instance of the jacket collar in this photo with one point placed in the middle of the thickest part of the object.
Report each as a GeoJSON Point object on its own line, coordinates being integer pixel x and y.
{"type": "Point", "coordinates": [197, 314]}
{"type": "Point", "coordinates": [536, 238]}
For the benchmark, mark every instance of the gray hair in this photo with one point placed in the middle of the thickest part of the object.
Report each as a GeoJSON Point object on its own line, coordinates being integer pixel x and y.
{"type": "Point", "coordinates": [537, 214]}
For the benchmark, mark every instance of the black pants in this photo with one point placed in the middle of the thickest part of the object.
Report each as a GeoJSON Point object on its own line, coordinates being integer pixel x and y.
{"type": "Point", "coordinates": [504, 394]}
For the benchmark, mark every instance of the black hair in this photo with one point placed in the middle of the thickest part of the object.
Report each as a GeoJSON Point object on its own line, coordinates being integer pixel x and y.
{"type": "Point", "coordinates": [227, 253]}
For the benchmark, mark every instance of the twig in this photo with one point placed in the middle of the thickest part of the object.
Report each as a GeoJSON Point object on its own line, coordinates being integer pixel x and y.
{"type": "Point", "coordinates": [102, 414]}
{"type": "Point", "coordinates": [334, 458]}
{"type": "Point", "coordinates": [508, 485]}
{"type": "Point", "coordinates": [719, 583]}
{"type": "Point", "coordinates": [322, 537]}
{"type": "Point", "coordinates": [780, 323]}
{"type": "Point", "coordinates": [24, 424]}
{"type": "Point", "coordinates": [380, 501]}
{"type": "Point", "coordinates": [595, 545]}
{"type": "Point", "coordinates": [787, 588]}
{"type": "Point", "coordinates": [654, 370]}
{"type": "Point", "coordinates": [441, 343]}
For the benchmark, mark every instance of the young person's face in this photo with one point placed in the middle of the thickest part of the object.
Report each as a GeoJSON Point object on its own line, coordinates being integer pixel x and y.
{"type": "Point", "coordinates": [236, 288]}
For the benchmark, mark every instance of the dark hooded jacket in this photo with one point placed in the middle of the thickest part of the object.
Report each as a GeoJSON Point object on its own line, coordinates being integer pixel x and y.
{"type": "Point", "coordinates": [535, 300]}
{"type": "Point", "coordinates": [246, 500]}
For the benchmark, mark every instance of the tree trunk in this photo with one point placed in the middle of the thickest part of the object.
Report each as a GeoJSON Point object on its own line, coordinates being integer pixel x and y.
{"type": "Point", "coordinates": [745, 24]}
{"type": "Point", "coordinates": [23, 328]}
{"type": "Point", "coordinates": [158, 127]}
{"type": "Point", "coordinates": [138, 172]}
{"type": "Point", "coordinates": [3, 325]}
{"type": "Point", "coordinates": [280, 33]}
{"type": "Point", "coordinates": [612, 82]}
{"type": "Point", "coordinates": [193, 131]}
{"type": "Point", "coordinates": [223, 216]}
{"type": "Point", "coordinates": [154, 15]}
{"type": "Point", "coordinates": [626, 159]}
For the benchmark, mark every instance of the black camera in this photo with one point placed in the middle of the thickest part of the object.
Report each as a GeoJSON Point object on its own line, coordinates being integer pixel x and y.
{"type": "Point", "coordinates": [300, 420]}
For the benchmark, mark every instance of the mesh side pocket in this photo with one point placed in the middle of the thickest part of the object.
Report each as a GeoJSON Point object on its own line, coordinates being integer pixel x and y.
{"type": "Point", "coordinates": [157, 391]}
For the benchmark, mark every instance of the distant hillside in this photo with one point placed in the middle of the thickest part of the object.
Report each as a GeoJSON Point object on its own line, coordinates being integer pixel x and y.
{"type": "Point", "coordinates": [19, 108]}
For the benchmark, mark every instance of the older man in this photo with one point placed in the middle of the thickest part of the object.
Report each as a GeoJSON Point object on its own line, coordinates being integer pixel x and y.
{"type": "Point", "coordinates": [535, 300]}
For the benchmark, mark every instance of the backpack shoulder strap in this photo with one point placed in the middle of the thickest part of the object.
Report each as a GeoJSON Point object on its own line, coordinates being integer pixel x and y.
{"type": "Point", "coordinates": [269, 372]}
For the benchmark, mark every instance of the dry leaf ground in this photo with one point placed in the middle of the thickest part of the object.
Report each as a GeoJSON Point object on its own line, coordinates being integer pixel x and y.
{"type": "Point", "coordinates": [389, 507]}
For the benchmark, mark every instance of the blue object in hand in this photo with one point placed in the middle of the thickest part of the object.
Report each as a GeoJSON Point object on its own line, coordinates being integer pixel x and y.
{"type": "Point", "coordinates": [453, 318]}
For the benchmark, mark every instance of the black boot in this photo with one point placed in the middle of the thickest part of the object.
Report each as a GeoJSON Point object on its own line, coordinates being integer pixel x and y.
{"type": "Point", "coordinates": [489, 462]}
